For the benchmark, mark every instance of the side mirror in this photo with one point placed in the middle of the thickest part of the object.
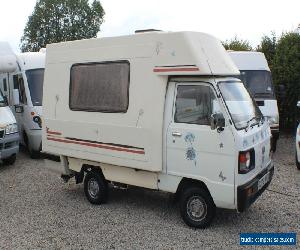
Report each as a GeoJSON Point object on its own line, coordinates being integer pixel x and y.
{"type": "Point", "coordinates": [19, 109]}
{"type": "Point", "coordinates": [217, 121]}
{"type": "Point", "coordinates": [16, 97]}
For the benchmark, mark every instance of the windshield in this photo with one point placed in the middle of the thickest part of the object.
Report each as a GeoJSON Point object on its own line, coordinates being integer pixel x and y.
{"type": "Point", "coordinates": [35, 78]}
{"type": "Point", "coordinates": [2, 100]}
{"type": "Point", "coordinates": [242, 108]}
{"type": "Point", "coordinates": [258, 82]}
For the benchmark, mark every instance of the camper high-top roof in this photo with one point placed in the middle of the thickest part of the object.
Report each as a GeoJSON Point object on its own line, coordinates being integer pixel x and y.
{"type": "Point", "coordinates": [179, 53]}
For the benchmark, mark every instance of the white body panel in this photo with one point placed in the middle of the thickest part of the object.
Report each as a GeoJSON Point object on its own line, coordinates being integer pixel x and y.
{"type": "Point", "coordinates": [7, 58]}
{"type": "Point", "coordinates": [6, 117]}
{"type": "Point", "coordinates": [138, 147]}
{"type": "Point", "coordinates": [25, 61]}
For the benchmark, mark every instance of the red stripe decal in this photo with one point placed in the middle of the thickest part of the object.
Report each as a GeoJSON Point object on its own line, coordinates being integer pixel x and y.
{"type": "Point", "coordinates": [174, 69]}
{"type": "Point", "coordinates": [52, 132]}
{"type": "Point", "coordinates": [96, 145]}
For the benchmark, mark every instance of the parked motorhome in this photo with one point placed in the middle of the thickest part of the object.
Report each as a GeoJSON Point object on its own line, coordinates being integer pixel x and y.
{"type": "Point", "coordinates": [23, 90]}
{"type": "Point", "coordinates": [256, 75]}
{"type": "Point", "coordinates": [298, 139]}
{"type": "Point", "coordinates": [9, 137]}
{"type": "Point", "coordinates": [157, 110]}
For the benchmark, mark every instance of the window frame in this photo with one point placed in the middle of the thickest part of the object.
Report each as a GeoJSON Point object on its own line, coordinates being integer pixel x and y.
{"type": "Point", "coordinates": [96, 63]}
{"type": "Point", "coordinates": [192, 83]}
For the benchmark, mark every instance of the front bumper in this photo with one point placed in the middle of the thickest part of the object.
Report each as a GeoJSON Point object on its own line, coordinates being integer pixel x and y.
{"type": "Point", "coordinates": [248, 193]}
{"type": "Point", "coordinates": [35, 139]}
{"type": "Point", "coordinates": [9, 145]}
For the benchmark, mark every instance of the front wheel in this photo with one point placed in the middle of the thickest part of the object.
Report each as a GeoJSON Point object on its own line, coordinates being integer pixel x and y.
{"type": "Point", "coordinates": [297, 162]}
{"type": "Point", "coordinates": [197, 207]}
{"type": "Point", "coordinates": [95, 187]}
{"type": "Point", "coordinates": [11, 160]}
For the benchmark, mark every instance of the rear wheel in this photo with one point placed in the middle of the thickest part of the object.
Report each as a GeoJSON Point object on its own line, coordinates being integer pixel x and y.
{"type": "Point", "coordinates": [197, 207]}
{"type": "Point", "coordinates": [11, 160]}
{"type": "Point", "coordinates": [95, 187]}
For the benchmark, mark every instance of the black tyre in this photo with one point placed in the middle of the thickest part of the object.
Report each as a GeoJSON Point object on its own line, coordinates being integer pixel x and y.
{"type": "Point", "coordinates": [95, 187]}
{"type": "Point", "coordinates": [197, 208]}
{"type": "Point", "coordinates": [34, 154]}
{"type": "Point", "coordinates": [297, 162]}
{"type": "Point", "coordinates": [11, 160]}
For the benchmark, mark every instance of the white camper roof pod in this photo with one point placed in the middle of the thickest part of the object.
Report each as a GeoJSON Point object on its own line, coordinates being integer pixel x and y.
{"type": "Point", "coordinates": [8, 61]}
{"type": "Point", "coordinates": [134, 138]}
{"type": "Point", "coordinates": [249, 60]}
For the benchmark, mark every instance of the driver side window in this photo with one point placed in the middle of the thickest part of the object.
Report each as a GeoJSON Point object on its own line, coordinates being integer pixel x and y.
{"type": "Point", "coordinates": [195, 104]}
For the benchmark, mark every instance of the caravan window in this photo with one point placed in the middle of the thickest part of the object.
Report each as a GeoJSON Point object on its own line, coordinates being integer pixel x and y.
{"type": "Point", "coordinates": [101, 87]}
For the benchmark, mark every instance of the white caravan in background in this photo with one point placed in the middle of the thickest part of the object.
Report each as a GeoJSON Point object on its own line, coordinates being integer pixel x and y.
{"type": "Point", "coordinates": [256, 75]}
{"type": "Point", "coordinates": [157, 110]}
{"type": "Point", "coordinates": [9, 136]}
{"type": "Point", "coordinates": [23, 90]}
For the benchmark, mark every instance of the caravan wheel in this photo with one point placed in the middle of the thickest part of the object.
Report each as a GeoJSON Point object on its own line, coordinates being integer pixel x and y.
{"type": "Point", "coordinates": [95, 187]}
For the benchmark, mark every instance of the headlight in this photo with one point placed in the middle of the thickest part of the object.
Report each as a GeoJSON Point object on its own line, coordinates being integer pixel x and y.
{"type": "Point", "coordinates": [11, 129]}
{"type": "Point", "coordinates": [37, 120]}
{"type": "Point", "coordinates": [246, 161]}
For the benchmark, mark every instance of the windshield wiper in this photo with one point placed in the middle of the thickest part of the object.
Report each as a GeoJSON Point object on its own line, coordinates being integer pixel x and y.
{"type": "Point", "coordinates": [248, 123]}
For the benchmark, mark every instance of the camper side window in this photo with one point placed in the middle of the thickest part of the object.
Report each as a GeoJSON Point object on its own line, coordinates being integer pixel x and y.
{"type": "Point", "coordinates": [195, 104]}
{"type": "Point", "coordinates": [100, 87]}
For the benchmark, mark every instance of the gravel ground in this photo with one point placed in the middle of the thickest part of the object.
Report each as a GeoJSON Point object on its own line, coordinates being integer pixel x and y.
{"type": "Point", "coordinates": [38, 210]}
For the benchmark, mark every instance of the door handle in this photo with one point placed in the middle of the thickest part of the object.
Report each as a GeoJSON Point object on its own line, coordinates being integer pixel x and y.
{"type": "Point", "coordinates": [178, 134]}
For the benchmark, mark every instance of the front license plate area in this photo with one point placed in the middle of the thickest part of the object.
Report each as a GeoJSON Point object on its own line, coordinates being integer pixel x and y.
{"type": "Point", "coordinates": [263, 181]}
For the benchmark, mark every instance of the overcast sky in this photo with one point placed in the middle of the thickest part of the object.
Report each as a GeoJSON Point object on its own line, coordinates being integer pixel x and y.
{"type": "Point", "coordinates": [224, 19]}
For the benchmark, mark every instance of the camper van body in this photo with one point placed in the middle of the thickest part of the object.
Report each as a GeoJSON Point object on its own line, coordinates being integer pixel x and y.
{"type": "Point", "coordinates": [9, 136]}
{"type": "Point", "coordinates": [151, 119]}
{"type": "Point", "coordinates": [256, 75]}
{"type": "Point", "coordinates": [23, 90]}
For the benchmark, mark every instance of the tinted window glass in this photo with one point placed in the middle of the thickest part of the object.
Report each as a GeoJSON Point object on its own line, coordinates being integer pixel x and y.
{"type": "Point", "coordinates": [35, 79]}
{"type": "Point", "coordinates": [195, 104]}
{"type": "Point", "coordinates": [101, 87]}
{"type": "Point", "coordinates": [258, 82]}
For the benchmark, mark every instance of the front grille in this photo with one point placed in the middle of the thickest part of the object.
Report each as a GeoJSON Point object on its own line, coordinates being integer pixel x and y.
{"type": "Point", "coordinates": [2, 133]}
{"type": "Point", "coordinates": [260, 103]}
{"type": "Point", "coordinates": [9, 144]}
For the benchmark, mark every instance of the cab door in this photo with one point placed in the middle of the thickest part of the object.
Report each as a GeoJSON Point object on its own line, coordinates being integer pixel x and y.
{"type": "Point", "coordinates": [196, 151]}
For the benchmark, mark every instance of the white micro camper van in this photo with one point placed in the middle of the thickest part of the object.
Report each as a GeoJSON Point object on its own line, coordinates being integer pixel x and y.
{"type": "Point", "coordinates": [9, 137]}
{"type": "Point", "coordinates": [156, 110]}
{"type": "Point", "coordinates": [256, 75]}
{"type": "Point", "coordinates": [23, 90]}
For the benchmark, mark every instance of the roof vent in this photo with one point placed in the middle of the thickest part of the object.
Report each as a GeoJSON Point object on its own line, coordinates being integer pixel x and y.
{"type": "Point", "coordinates": [146, 30]}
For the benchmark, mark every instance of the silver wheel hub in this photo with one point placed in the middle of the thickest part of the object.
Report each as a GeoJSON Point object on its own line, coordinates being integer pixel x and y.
{"type": "Point", "coordinates": [196, 208]}
{"type": "Point", "coordinates": [93, 188]}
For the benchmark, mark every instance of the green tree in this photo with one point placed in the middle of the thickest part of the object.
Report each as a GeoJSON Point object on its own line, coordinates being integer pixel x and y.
{"type": "Point", "coordinates": [237, 44]}
{"type": "Point", "coordinates": [286, 71]}
{"type": "Point", "coordinates": [61, 20]}
{"type": "Point", "coordinates": [268, 47]}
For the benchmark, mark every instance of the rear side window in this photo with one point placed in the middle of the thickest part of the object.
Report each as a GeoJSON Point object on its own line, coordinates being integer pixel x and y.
{"type": "Point", "coordinates": [100, 87]}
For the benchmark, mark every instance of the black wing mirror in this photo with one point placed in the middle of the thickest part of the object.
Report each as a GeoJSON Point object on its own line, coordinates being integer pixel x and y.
{"type": "Point", "coordinates": [217, 121]}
